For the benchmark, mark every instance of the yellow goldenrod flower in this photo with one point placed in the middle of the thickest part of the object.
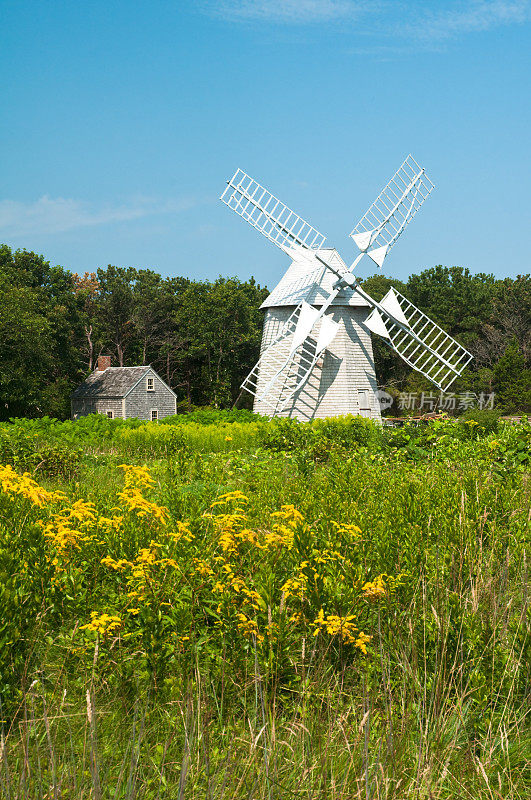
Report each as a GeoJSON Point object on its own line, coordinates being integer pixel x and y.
{"type": "Point", "coordinates": [111, 523]}
{"type": "Point", "coordinates": [347, 530]}
{"type": "Point", "coordinates": [248, 627]}
{"type": "Point", "coordinates": [247, 535]}
{"type": "Point", "coordinates": [82, 511]}
{"type": "Point", "coordinates": [61, 536]}
{"type": "Point", "coordinates": [361, 641]}
{"type": "Point", "coordinates": [374, 590]}
{"type": "Point", "coordinates": [118, 565]}
{"type": "Point", "coordinates": [24, 485]}
{"type": "Point", "coordinates": [137, 502]}
{"type": "Point", "coordinates": [289, 514]}
{"type": "Point", "coordinates": [283, 530]}
{"type": "Point", "coordinates": [182, 532]}
{"type": "Point", "coordinates": [146, 556]}
{"type": "Point", "coordinates": [137, 478]}
{"type": "Point", "coordinates": [202, 568]}
{"type": "Point", "coordinates": [297, 586]}
{"type": "Point", "coordinates": [230, 497]}
{"type": "Point", "coordinates": [226, 526]}
{"type": "Point", "coordinates": [335, 625]}
{"type": "Point", "coordinates": [102, 624]}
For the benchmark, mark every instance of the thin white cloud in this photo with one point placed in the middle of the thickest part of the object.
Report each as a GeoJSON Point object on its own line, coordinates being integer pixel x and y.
{"type": "Point", "coordinates": [290, 11]}
{"type": "Point", "coordinates": [60, 214]}
{"type": "Point", "coordinates": [468, 17]}
{"type": "Point", "coordinates": [381, 20]}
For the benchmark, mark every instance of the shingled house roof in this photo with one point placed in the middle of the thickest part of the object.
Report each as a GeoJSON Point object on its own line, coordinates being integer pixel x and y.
{"type": "Point", "coordinates": [112, 382]}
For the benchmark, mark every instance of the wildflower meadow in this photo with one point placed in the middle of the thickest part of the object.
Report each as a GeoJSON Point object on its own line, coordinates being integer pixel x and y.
{"type": "Point", "coordinates": [221, 606]}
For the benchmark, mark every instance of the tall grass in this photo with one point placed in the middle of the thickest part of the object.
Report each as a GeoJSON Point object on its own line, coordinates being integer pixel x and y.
{"type": "Point", "coordinates": [437, 708]}
{"type": "Point", "coordinates": [153, 440]}
{"type": "Point", "coordinates": [411, 733]}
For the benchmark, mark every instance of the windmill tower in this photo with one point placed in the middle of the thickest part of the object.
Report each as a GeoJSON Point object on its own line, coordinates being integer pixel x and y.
{"type": "Point", "coordinates": [316, 357]}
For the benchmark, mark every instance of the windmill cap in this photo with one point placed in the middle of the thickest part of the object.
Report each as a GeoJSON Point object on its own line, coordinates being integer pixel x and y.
{"type": "Point", "coordinates": [307, 279]}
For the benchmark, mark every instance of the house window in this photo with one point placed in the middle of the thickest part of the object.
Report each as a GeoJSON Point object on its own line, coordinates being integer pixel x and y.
{"type": "Point", "coordinates": [150, 384]}
{"type": "Point", "coordinates": [110, 414]}
{"type": "Point", "coordinates": [154, 414]}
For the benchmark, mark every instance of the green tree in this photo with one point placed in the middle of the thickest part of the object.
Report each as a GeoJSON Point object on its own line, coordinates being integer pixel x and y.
{"type": "Point", "coordinates": [40, 335]}
{"type": "Point", "coordinates": [512, 381]}
{"type": "Point", "coordinates": [87, 290]}
{"type": "Point", "coordinates": [511, 316]}
{"type": "Point", "coordinates": [116, 307]}
{"type": "Point", "coordinates": [217, 329]}
{"type": "Point", "coordinates": [26, 349]}
{"type": "Point", "coordinates": [454, 298]}
{"type": "Point", "coordinates": [148, 311]}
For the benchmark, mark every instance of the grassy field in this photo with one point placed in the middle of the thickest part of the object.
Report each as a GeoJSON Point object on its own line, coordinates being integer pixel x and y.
{"type": "Point", "coordinates": [222, 607]}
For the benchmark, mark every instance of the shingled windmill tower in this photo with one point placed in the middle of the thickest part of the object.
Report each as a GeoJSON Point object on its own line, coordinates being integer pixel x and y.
{"type": "Point", "coordinates": [316, 358]}
{"type": "Point", "coordinates": [343, 379]}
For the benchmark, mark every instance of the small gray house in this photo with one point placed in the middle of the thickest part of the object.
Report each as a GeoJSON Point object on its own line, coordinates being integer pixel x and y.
{"type": "Point", "coordinates": [123, 392]}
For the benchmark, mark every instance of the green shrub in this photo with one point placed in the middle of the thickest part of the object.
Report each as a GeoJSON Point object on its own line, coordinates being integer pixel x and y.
{"type": "Point", "coordinates": [24, 447]}
{"type": "Point", "coordinates": [212, 416]}
{"type": "Point", "coordinates": [57, 460]}
{"type": "Point", "coordinates": [511, 451]}
{"type": "Point", "coordinates": [349, 432]}
{"type": "Point", "coordinates": [17, 447]}
{"type": "Point", "coordinates": [487, 420]}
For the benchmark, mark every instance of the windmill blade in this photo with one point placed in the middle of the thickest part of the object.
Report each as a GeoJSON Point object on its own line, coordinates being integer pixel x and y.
{"type": "Point", "coordinates": [300, 342]}
{"type": "Point", "coordinates": [327, 334]}
{"type": "Point", "coordinates": [286, 364]}
{"type": "Point", "coordinates": [305, 323]}
{"type": "Point", "coordinates": [420, 342]}
{"type": "Point", "coordinates": [272, 371]}
{"type": "Point", "coordinates": [308, 356]}
{"type": "Point", "coordinates": [396, 205]}
{"type": "Point", "coordinates": [265, 212]}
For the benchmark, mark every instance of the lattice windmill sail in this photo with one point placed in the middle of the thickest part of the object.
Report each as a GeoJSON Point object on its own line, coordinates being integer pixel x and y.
{"type": "Point", "coordinates": [268, 215]}
{"type": "Point", "coordinates": [396, 205]}
{"type": "Point", "coordinates": [316, 357]}
{"type": "Point", "coordinates": [418, 340]}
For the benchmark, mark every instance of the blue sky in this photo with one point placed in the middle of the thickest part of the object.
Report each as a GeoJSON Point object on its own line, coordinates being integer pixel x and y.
{"type": "Point", "coordinates": [122, 121]}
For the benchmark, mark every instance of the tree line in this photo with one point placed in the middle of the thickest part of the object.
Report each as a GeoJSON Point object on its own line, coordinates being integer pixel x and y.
{"type": "Point", "coordinates": [203, 337]}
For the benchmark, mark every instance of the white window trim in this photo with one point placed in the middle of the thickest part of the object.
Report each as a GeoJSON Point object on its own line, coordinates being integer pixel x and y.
{"type": "Point", "coordinates": [148, 379]}
{"type": "Point", "coordinates": [151, 410]}
{"type": "Point", "coordinates": [109, 414]}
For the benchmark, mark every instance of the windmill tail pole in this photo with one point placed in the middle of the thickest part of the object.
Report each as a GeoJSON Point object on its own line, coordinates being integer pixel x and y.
{"type": "Point", "coordinates": [235, 404]}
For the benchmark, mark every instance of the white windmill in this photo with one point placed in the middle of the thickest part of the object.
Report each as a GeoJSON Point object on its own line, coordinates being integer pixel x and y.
{"type": "Point", "coordinates": [316, 356]}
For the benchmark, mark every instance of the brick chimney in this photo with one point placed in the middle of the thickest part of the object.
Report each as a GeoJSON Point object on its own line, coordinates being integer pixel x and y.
{"type": "Point", "coordinates": [103, 363]}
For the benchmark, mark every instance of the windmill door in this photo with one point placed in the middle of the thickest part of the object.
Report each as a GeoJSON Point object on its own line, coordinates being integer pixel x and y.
{"type": "Point", "coordinates": [364, 401]}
